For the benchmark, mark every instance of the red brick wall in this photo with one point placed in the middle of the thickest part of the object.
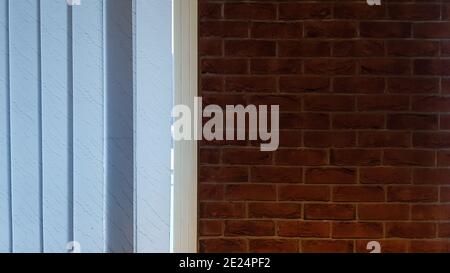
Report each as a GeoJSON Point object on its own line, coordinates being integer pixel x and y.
{"type": "Point", "coordinates": [365, 126]}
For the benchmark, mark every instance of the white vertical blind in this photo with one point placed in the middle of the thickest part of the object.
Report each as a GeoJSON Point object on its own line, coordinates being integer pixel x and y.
{"type": "Point", "coordinates": [5, 209]}
{"type": "Point", "coordinates": [153, 106]}
{"type": "Point", "coordinates": [119, 127]}
{"type": "Point", "coordinates": [85, 131]}
{"type": "Point", "coordinates": [88, 125]}
{"type": "Point", "coordinates": [25, 102]}
{"type": "Point", "coordinates": [56, 80]}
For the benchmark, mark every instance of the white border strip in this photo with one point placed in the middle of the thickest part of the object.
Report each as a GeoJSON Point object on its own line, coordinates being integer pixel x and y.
{"type": "Point", "coordinates": [185, 152]}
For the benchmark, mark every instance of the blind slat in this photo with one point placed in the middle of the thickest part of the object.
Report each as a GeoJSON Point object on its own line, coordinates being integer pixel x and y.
{"type": "Point", "coordinates": [25, 125]}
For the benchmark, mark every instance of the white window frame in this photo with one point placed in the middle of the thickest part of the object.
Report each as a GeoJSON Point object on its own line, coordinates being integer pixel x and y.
{"type": "Point", "coordinates": [184, 217]}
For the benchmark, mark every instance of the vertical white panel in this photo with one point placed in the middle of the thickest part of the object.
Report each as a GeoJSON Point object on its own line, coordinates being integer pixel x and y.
{"type": "Point", "coordinates": [25, 125]}
{"type": "Point", "coordinates": [119, 125]}
{"type": "Point", "coordinates": [56, 124]}
{"type": "Point", "coordinates": [153, 103]}
{"type": "Point", "coordinates": [5, 224]}
{"type": "Point", "coordinates": [88, 126]}
{"type": "Point", "coordinates": [185, 152]}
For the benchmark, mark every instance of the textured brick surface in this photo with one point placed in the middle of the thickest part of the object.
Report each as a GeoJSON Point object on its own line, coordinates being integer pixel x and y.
{"type": "Point", "coordinates": [364, 143]}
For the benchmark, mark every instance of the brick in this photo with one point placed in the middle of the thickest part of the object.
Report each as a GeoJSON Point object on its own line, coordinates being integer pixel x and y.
{"type": "Point", "coordinates": [385, 29]}
{"type": "Point", "coordinates": [358, 230]}
{"type": "Point", "coordinates": [292, 138]}
{"type": "Point", "coordinates": [358, 194]}
{"type": "Point", "coordinates": [301, 157]}
{"type": "Point", "coordinates": [412, 48]}
{"type": "Point", "coordinates": [249, 228]}
{"type": "Point", "coordinates": [209, 10]}
{"type": "Point", "coordinates": [223, 29]}
{"type": "Point", "coordinates": [358, 11]}
{"type": "Point", "coordinates": [210, 47]}
{"type": "Point", "coordinates": [383, 212]}
{"type": "Point", "coordinates": [444, 122]}
{"type": "Point", "coordinates": [305, 121]}
{"type": "Point", "coordinates": [432, 140]}
{"type": "Point", "coordinates": [443, 158]}
{"type": "Point", "coordinates": [445, 86]}
{"type": "Point", "coordinates": [445, 11]}
{"type": "Point", "coordinates": [328, 103]}
{"type": "Point", "coordinates": [250, 192]}
{"type": "Point", "coordinates": [434, 67]}
{"type": "Point", "coordinates": [212, 83]}
{"type": "Point", "coordinates": [222, 210]}
{"type": "Point", "coordinates": [309, 229]}
{"type": "Point", "coordinates": [305, 48]}
{"type": "Point", "coordinates": [210, 192]}
{"type": "Point", "coordinates": [444, 230]}
{"type": "Point", "coordinates": [445, 48]}
{"type": "Point", "coordinates": [383, 103]}
{"type": "Point", "coordinates": [355, 157]}
{"type": "Point", "coordinates": [329, 212]}
{"type": "Point", "coordinates": [300, 11]}
{"type": "Point", "coordinates": [224, 66]}
{"type": "Point", "coordinates": [359, 48]}
{"type": "Point", "coordinates": [330, 176]}
{"type": "Point", "coordinates": [285, 102]}
{"type": "Point", "coordinates": [385, 66]}
{"type": "Point", "coordinates": [431, 212]}
{"type": "Point", "coordinates": [223, 99]}
{"type": "Point", "coordinates": [413, 85]}
{"type": "Point", "coordinates": [303, 193]}
{"type": "Point", "coordinates": [276, 174]}
{"type": "Point", "coordinates": [384, 139]}
{"type": "Point", "coordinates": [412, 122]}
{"type": "Point", "coordinates": [245, 156]}
{"type": "Point", "coordinates": [430, 103]}
{"type": "Point", "coordinates": [387, 246]}
{"type": "Point", "coordinates": [429, 246]}
{"type": "Point", "coordinates": [258, 84]}
{"type": "Point", "coordinates": [432, 176]}
{"type": "Point", "coordinates": [358, 121]}
{"type": "Point", "coordinates": [403, 157]}
{"type": "Point", "coordinates": [328, 139]}
{"type": "Point", "coordinates": [432, 30]}
{"type": "Point", "coordinates": [414, 12]}
{"type": "Point", "coordinates": [273, 246]}
{"type": "Point", "coordinates": [275, 210]}
{"type": "Point", "coordinates": [410, 230]}
{"type": "Point", "coordinates": [330, 29]}
{"type": "Point", "coordinates": [364, 148]}
{"type": "Point", "coordinates": [222, 245]}
{"type": "Point", "coordinates": [296, 84]}
{"type": "Point", "coordinates": [266, 30]}
{"type": "Point", "coordinates": [276, 66]}
{"type": "Point", "coordinates": [358, 85]}
{"type": "Point", "coordinates": [444, 194]}
{"type": "Point", "coordinates": [209, 156]}
{"type": "Point", "coordinates": [330, 67]}
{"type": "Point", "coordinates": [223, 174]}
{"type": "Point", "coordinates": [210, 228]}
{"type": "Point", "coordinates": [385, 175]}
{"type": "Point", "coordinates": [250, 11]}
{"type": "Point", "coordinates": [249, 48]}
{"type": "Point", "coordinates": [327, 246]}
